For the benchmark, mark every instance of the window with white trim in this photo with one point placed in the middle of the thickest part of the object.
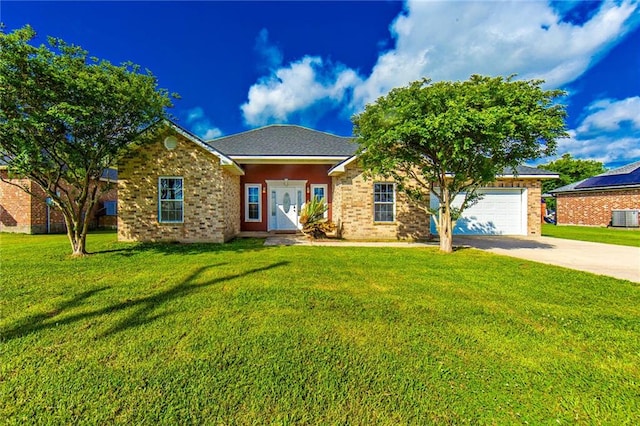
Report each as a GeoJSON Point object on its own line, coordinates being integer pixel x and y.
{"type": "Point", "coordinates": [319, 191]}
{"type": "Point", "coordinates": [170, 200]}
{"type": "Point", "coordinates": [384, 202]}
{"type": "Point", "coordinates": [253, 203]}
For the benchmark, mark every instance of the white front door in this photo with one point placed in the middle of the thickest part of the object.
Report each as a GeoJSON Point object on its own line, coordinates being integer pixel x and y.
{"type": "Point", "coordinates": [284, 209]}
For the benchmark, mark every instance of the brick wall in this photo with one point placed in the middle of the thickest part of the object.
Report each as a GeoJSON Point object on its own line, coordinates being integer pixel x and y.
{"type": "Point", "coordinates": [594, 208]}
{"type": "Point", "coordinates": [24, 213]}
{"type": "Point", "coordinates": [211, 196]}
{"type": "Point", "coordinates": [353, 209]}
{"type": "Point", "coordinates": [232, 199]}
{"type": "Point", "coordinates": [15, 206]}
{"type": "Point", "coordinates": [101, 220]}
{"type": "Point", "coordinates": [39, 214]}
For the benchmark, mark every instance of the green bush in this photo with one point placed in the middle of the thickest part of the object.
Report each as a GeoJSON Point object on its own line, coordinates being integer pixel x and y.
{"type": "Point", "coordinates": [314, 224]}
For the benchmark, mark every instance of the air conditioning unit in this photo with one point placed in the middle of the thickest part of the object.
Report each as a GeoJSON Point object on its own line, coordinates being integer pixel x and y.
{"type": "Point", "coordinates": [625, 218]}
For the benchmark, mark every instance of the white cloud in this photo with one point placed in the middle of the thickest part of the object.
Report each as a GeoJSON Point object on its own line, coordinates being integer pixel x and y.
{"type": "Point", "coordinates": [602, 136]}
{"type": "Point", "coordinates": [201, 125]}
{"type": "Point", "coordinates": [609, 115]}
{"type": "Point", "coordinates": [295, 88]}
{"type": "Point", "coordinates": [210, 133]}
{"type": "Point", "coordinates": [446, 41]}
{"type": "Point", "coordinates": [604, 148]}
{"type": "Point", "coordinates": [452, 40]}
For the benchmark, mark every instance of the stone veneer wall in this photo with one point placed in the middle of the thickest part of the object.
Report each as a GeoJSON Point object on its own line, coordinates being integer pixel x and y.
{"type": "Point", "coordinates": [594, 208]}
{"type": "Point", "coordinates": [232, 199]}
{"type": "Point", "coordinates": [210, 194]}
{"type": "Point", "coordinates": [353, 209]}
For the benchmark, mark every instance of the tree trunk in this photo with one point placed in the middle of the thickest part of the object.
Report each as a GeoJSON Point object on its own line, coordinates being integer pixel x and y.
{"type": "Point", "coordinates": [79, 245]}
{"type": "Point", "coordinates": [77, 238]}
{"type": "Point", "coordinates": [445, 225]}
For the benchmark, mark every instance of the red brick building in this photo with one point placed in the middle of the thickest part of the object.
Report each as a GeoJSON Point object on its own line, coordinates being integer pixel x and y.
{"type": "Point", "coordinates": [592, 201]}
{"type": "Point", "coordinates": [25, 213]}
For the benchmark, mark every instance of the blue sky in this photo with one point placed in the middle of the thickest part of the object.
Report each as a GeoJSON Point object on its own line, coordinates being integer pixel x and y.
{"type": "Point", "coordinates": [240, 65]}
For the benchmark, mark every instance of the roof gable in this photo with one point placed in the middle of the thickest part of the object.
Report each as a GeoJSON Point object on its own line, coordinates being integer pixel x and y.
{"type": "Point", "coordinates": [225, 161]}
{"type": "Point", "coordinates": [284, 140]}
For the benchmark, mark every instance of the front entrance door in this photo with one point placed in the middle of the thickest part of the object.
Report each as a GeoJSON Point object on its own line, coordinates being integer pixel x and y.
{"type": "Point", "coordinates": [284, 209]}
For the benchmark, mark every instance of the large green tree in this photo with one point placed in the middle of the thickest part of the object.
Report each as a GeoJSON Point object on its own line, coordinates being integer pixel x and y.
{"type": "Point", "coordinates": [65, 117]}
{"type": "Point", "coordinates": [451, 138]}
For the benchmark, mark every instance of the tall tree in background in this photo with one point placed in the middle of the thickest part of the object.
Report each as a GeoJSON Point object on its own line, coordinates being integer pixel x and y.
{"type": "Point", "coordinates": [570, 170]}
{"type": "Point", "coordinates": [449, 138]}
{"type": "Point", "coordinates": [65, 117]}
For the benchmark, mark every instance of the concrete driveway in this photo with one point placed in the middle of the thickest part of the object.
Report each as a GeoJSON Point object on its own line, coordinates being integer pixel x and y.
{"type": "Point", "coordinates": [604, 259]}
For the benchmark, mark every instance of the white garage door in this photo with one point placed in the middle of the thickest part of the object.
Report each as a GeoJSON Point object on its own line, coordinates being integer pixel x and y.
{"type": "Point", "coordinates": [499, 212]}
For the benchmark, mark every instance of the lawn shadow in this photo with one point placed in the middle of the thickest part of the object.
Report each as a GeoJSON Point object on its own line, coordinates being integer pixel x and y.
{"type": "Point", "coordinates": [144, 313]}
{"type": "Point", "coordinates": [498, 242]}
{"type": "Point", "coordinates": [237, 245]}
{"type": "Point", "coordinates": [36, 322]}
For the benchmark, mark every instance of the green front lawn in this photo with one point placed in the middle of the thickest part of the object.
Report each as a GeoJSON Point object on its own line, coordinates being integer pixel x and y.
{"type": "Point", "coordinates": [246, 334]}
{"type": "Point", "coordinates": [618, 236]}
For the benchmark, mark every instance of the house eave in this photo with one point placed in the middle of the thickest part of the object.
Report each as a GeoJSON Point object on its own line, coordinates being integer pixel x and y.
{"type": "Point", "coordinates": [597, 189]}
{"type": "Point", "coordinates": [287, 159]}
{"type": "Point", "coordinates": [512, 176]}
{"type": "Point", "coordinates": [340, 168]}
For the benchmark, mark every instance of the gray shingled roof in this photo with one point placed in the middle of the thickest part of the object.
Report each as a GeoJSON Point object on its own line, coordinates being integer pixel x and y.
{"type": "Point", "coordinates": [567, 188]}
{"type": "Point", "coordinates": [529, 171]}
{"type": "Point", "coordinates": [621, 170]}
{"type": "Point", "coordinates": [284, 140]}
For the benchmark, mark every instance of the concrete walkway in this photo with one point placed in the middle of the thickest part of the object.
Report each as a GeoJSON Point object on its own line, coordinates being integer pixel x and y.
{"type": "Point", "coordinates": [604, 259]}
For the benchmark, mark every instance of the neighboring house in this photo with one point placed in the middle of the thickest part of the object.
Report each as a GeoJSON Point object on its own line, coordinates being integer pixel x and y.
{"type": "Point", "coordinates": [22, 212]}
{"type": "Point", "coordinates": [592, 201]}
{"type": "Point", "coordinates": [181, 188]}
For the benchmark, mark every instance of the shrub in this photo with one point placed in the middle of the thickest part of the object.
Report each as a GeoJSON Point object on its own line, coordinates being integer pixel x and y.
{"type": "Point", "coordinates": [314, 224]}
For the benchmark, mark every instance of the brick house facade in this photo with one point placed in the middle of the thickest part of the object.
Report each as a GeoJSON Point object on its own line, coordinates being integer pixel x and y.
{"type": "Point", "coordinates": [26, 213]}
{"type": "Point", "coordinates": [193, 190]}
{"type": "Point", "coordinates": [353, 207]}
{"type": "Point", "coordinates": [591, 202]}
{"type": "Point", "coordinates": [594, 208]}
{"type": "Point", "coordinates": [209, 199]}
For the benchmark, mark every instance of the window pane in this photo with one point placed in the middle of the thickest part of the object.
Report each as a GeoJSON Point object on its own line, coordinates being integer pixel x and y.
{"type": "Point", "coordinates": [383, 199]}
{"type": "Point", "coordinates": [273, 203]}
{"type": "Point", "coordinates": [110, 208]}
{"type": "Point", "coordinates": [383, 213]}
{"type": "Point", "coordinates": [171, 204]}
{"type": "Point", "coordinates": [254, 211]}
{"type": "Point", "coordinates": [318, 192]}
{"type": "Point", "coordinates": [253, 194]}
{"type": "Point", "coordinates": [171, 211]}
{"type": "Point", "coordinates": [170, 189]}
